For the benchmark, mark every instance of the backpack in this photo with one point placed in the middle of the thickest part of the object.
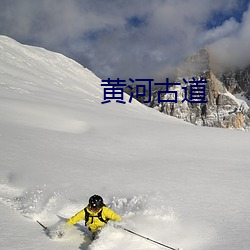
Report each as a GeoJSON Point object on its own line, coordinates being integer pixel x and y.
{"type": "Point", "coordinates": [88, 216]}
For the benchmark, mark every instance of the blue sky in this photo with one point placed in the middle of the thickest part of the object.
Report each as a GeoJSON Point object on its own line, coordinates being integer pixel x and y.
{"type": "Point", "coordinates": [218, 17]}
{"type": "Point", "coordinates": [131, 38]}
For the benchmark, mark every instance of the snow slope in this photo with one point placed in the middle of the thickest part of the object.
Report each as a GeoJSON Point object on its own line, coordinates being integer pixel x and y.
{"type": "Point", "coordinates": [176, 183]}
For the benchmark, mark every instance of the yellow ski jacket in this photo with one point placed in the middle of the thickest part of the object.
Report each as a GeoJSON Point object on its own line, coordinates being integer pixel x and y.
{"type": "Point", "coordinates": [94, 223]}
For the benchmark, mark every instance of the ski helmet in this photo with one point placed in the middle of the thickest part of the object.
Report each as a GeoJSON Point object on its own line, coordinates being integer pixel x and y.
{"type": "Point", "coordinates": [95, 202]}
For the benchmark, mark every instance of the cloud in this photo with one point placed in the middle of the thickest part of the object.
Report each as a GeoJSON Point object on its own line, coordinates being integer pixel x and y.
{"type": "Point", "coordinates": [226, 29]}
{"type": "Point", "coordinates": [117, 38]}
{"type": "Point", "coordinates": [232, 50]}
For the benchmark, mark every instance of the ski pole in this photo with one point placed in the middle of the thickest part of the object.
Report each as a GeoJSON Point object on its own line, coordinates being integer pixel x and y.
{"type": "Point", "coordinates": [146, 238]}
{"type": "Point", "coordinates": [45, 228]}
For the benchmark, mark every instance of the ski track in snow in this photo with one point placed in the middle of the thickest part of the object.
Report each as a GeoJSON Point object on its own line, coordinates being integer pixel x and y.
{"type": "Point", "coordinates": [43, 117]}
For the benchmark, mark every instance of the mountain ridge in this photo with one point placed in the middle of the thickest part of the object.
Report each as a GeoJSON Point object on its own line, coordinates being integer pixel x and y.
{"type": "Point", "coordinates": [222, 109]}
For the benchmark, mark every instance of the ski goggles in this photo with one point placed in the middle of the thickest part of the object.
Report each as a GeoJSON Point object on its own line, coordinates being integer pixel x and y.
{"type": "Point", "coordinates": [94, 208]}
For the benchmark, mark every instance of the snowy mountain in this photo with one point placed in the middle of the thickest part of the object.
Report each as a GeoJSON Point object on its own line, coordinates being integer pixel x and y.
{"type": "Point", "coordinates": [222, 109]}
{"type": "Point", "coordinates": [226, 94]}
{"type": "Point", "coordinates": [182, 185]}
{"type": "Point", "coordinates": [237, 81]}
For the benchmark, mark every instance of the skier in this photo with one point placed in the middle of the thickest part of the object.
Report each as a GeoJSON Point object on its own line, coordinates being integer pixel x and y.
{"type": "Point", "coordinates": [95, 214]}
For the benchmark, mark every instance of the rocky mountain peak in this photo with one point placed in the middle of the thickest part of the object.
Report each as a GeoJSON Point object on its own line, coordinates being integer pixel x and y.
{"type": "Point", "coordinates": [194, 65]}
{"type": "Point", "coordinates": [221, 109]}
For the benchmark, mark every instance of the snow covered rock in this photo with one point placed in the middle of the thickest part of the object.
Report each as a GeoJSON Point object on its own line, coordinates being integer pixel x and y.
{"type": "Point", "coordinates": [222, 108]}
